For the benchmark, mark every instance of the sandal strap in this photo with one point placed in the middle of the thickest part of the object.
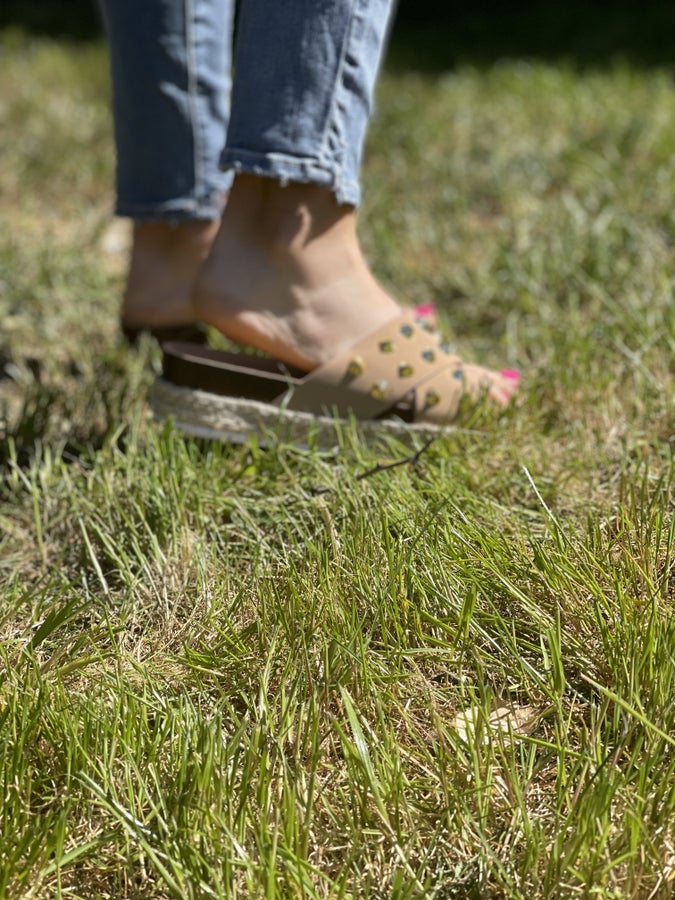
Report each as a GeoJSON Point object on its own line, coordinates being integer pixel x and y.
{"type": "Point", "coordinates": [402, 358]}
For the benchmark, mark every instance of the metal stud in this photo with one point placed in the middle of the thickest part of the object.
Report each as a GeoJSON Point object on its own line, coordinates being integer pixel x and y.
{"type": "Point", "coordinates": [426, 324]}
{"type": "Point", "coordinates": [379, 390]}
{"type": "Point", "coordinates": [386, 346]}
{"type": "Point", "coordinates": [431, 398]}
{"type": "Point", "coordinates": [405, 370]}
{"type": "Point", "coordinates": [459, 374]}
{"type": "Point", "coordinates": [356, 367]}
{"type": "Point", "coordinates": [428, 355]}
{"type": "Point", "coordinates": [407, 330]}
{"type": "Point", "coordinates": [446, 348]}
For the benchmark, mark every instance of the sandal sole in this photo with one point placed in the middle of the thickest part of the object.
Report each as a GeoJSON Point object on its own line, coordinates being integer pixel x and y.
{"type": "Point", "coordinates": [235, 420]}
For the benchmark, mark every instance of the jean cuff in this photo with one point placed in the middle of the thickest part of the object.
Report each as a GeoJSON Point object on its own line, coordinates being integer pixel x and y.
{"type": "Point", "coordinates": [285, 168]}
{"type": "Point", "coordinates": [181, 209]}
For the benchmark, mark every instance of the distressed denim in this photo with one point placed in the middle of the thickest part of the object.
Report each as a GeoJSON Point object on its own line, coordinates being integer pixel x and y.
{"type": "Point", "coordinates": [296, 110]}
{"type": "Point", "coordinates": [170, 62]}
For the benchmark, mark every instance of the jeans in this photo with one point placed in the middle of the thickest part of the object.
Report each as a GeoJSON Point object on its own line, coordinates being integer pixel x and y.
{"type": "Point", "coordinates": [296, 110]}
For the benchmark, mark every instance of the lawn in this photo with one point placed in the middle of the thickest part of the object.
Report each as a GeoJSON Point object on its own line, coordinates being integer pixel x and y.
{"type": "Point", "coordinates": [283, 672]}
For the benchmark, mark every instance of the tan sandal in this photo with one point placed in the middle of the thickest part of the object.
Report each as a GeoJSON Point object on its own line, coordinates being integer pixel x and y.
{"type": "Point", "coordinates": [402, 379]}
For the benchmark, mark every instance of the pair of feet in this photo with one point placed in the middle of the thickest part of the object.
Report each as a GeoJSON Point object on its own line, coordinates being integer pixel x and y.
{"type": "Point", "coordinates": [282, 272]}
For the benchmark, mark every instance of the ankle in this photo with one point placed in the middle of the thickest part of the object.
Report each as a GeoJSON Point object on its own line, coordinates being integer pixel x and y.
{"type": "Point", "coordinates": [282, 219]}
{"type": "Point", "coordinates": [165, 260]}
{"type": "Point", "coordinates": [190, 238]}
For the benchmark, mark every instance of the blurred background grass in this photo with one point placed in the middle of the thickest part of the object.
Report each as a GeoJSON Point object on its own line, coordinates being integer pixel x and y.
{"type": "Point", "coordinates": [436, 35]}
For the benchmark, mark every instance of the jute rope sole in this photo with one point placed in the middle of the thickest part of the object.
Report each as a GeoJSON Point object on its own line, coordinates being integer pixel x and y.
{"type": "Point", "coordinates": [234, 419]}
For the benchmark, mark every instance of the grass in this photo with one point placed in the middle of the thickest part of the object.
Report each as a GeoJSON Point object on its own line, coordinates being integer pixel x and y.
{"type": "Point", "coordinates": [236, 672]}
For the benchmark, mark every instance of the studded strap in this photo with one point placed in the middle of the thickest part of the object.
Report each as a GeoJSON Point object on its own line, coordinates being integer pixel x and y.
{"type": "Point", "coordinates": [380, 371]}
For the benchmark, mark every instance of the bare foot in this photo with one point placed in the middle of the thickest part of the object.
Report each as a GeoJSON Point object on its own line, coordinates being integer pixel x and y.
{"type": "Point", "coordinates": [165, 260]}
{"type": "Point", "coordinates": [286, 275]}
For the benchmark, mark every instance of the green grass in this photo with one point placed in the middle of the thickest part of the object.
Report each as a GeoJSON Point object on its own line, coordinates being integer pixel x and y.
{"type": "Point", "coordinates": [236, 672]}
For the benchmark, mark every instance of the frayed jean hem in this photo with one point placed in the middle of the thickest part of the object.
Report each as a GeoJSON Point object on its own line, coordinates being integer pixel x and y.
{"type": "Point", "coordinates": [286, 168]}
{"type": "Point", "coordinates": [179, 210]}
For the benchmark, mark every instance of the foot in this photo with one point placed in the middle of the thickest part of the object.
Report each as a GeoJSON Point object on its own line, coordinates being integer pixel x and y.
{"type": "Point", "coordinates": [286, 275]}
{"type": "Point", "coordinates": [165, 260]}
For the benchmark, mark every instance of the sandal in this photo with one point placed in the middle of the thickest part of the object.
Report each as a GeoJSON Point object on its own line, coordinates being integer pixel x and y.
{"type": "Point", "coordinates": [402, 379]}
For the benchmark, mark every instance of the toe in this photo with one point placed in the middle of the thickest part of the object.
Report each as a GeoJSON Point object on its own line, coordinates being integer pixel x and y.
{"type": "Point", "coordinates": [498, 386]}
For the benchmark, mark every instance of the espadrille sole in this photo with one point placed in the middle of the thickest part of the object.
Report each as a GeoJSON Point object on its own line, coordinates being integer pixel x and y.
{"type": "Point", "coordinates": [400, 381]}
{"type": "Point", "coordinates": [235, 420]}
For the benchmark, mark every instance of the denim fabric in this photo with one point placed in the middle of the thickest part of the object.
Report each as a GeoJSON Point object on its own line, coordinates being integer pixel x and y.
{"type": "Point", "coordinates": [301, 97]}
{"type": "Point", "coordinates": [171, 72]}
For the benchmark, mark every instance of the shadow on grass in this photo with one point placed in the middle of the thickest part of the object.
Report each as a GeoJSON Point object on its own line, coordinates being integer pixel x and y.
{"type": "Point", "coordinates": [76, 414]}
{"type": "Point", "coordinates": [433, 36]}
{"type": "Point", "coordinates": [33, 428]}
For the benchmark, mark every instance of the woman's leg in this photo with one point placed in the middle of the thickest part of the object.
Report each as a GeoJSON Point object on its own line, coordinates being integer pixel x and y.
{"type": "Point", "coordinates": [171, 64]}
{"type": "Point", "coordinates": [286, 273]}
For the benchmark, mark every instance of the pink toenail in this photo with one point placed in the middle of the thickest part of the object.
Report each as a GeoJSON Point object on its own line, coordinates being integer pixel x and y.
{"type": "Point", "coordinates": [425, 309]}
{"type": "Point", "coordinates": [512, 374]}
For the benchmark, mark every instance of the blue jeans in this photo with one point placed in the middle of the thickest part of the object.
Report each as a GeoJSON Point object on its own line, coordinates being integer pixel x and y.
{"type": "Point", "coordinates": [296, 110]}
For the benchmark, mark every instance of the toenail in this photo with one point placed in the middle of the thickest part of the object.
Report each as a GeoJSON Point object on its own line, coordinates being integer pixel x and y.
{"type": "Point", "coordinates": [512, 374]}
{"type": "Point", "coordinates": [425, 309]}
